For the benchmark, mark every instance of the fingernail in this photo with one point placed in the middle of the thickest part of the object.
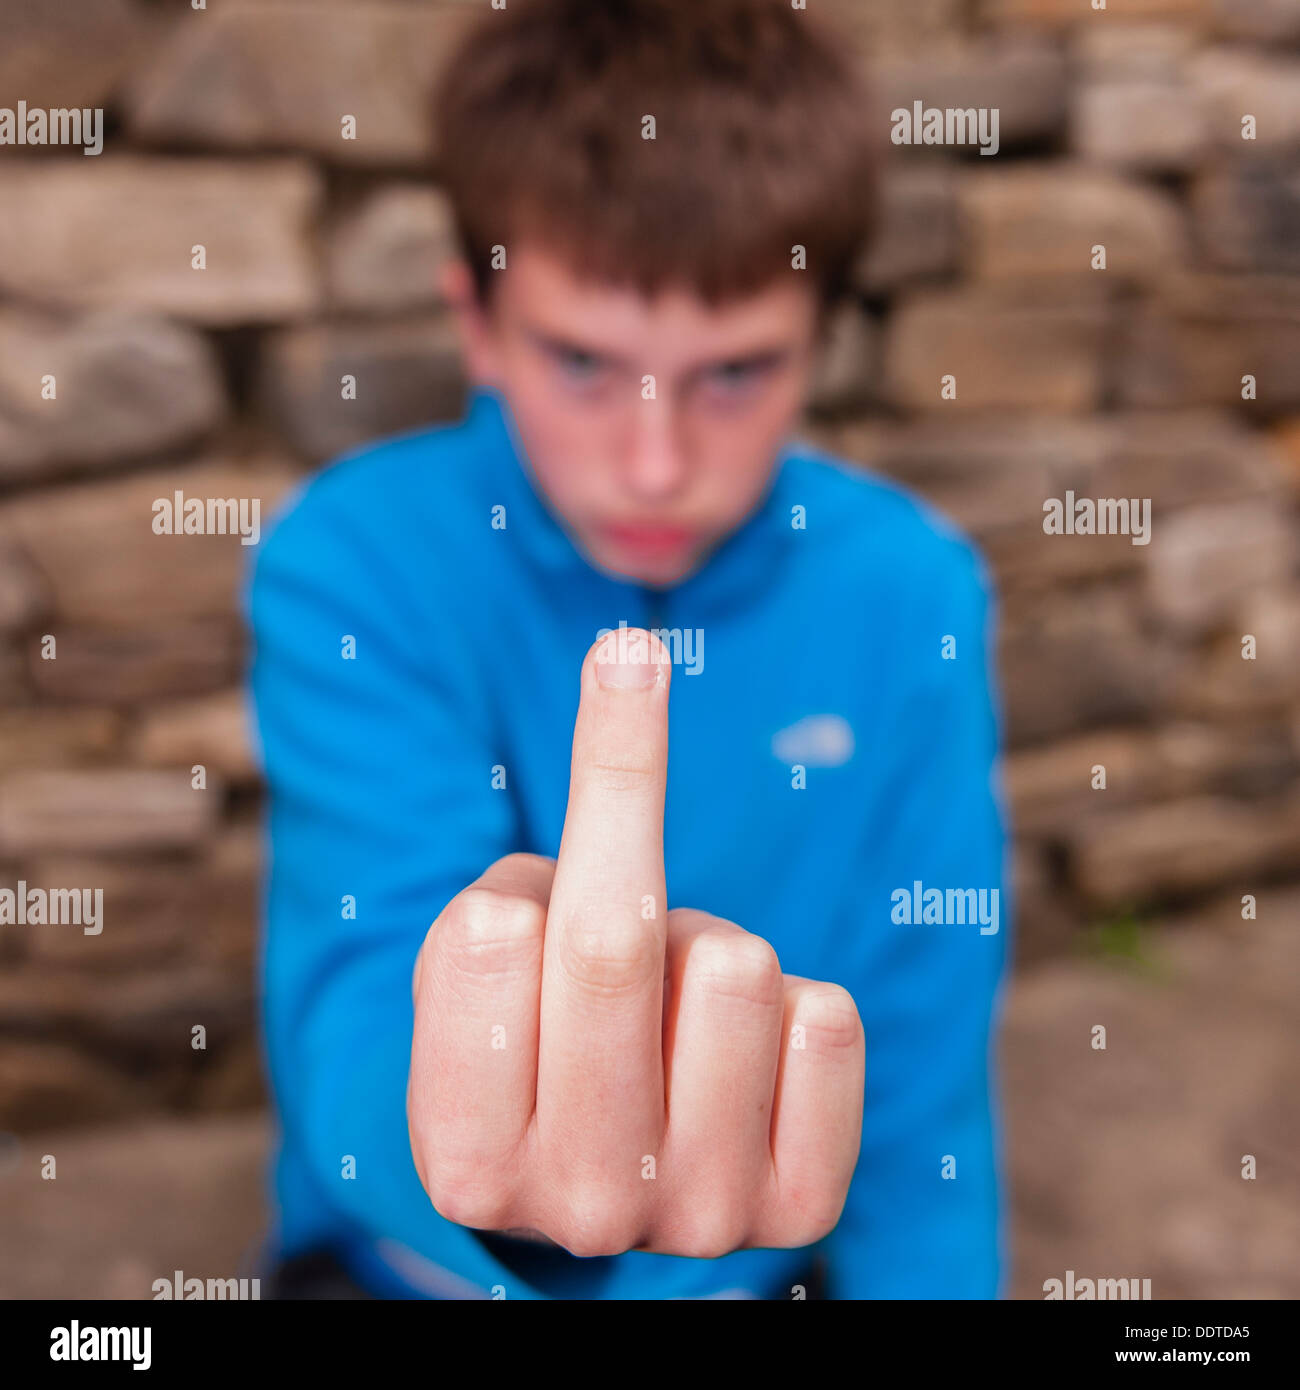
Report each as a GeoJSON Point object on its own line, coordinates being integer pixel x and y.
{"type": "Point", "coordinates": [626, 661]}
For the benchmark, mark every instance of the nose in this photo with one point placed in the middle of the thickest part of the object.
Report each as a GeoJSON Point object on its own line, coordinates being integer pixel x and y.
{"type": "Point", "coordinates": [656, 466]}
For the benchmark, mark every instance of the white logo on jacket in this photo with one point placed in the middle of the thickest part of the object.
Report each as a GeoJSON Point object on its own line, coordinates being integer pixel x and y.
{"type": "Point", "coordinates": [820, 740]}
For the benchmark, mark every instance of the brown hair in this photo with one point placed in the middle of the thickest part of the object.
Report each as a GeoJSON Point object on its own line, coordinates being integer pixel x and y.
{"type": "Point", "coordinates": [761, 142]}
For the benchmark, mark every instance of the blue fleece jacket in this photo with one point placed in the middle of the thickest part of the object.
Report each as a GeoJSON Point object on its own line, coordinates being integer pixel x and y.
{"type": "Point", "coordinates": [420, 618]}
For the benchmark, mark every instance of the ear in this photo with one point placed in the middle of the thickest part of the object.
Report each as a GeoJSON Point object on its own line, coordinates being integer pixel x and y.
{"type": "Point", "coordinates": [474, 323]}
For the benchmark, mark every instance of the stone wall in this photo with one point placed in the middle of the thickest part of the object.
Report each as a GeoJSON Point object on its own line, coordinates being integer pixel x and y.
{"type": "Point", "coordinates": [1119, 128]}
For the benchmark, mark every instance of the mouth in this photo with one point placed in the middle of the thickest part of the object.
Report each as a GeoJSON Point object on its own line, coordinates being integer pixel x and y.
{"type": "Point", "coordinates": [650, 541]}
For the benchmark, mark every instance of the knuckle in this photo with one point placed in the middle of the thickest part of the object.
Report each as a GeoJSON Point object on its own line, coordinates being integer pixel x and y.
{"type": "Point", "coordinates": [487, 916]}
{"type": "Point", "coordinates": [738, 965]}
{"type": "Point", "coordinates": [609, 961]}
{"type": "Point", "coordinates": [528, 870]}
{"type": "Point", "coordinates": [488, 932]}
{"type": "Point", "coordinates": [830, 1019]}
{"type": "Point", "coordinates": [810, 1216]}
{"type": "Point", "coordinates": [467, 1197]}
{"type": "Point", "coordinates": [629, 774]}
{"type": "Point", "coordinates": [710, 1236]}
{"type": "Point", "coordinates": [598, 1224]}
{"type": "Point", "coordinates": [688, 919]}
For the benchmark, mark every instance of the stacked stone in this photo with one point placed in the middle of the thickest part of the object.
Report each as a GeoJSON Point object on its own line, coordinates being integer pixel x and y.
{"type": "Point", "coordinates": [230, 130]}
{"type": "Point", "coordinates": [1172, 374]}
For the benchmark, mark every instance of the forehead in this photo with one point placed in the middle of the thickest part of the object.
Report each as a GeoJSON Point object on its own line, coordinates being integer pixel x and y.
{"type": "Point", "coordinates": [542, 294]}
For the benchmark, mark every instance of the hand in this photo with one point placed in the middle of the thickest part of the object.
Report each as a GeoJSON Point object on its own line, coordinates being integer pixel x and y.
{"type": "Point", "coordinates": [617, 1077]}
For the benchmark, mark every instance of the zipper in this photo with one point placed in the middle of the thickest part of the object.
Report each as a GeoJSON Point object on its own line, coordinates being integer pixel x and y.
{"type": "Point", "coordinates": [655, 606]}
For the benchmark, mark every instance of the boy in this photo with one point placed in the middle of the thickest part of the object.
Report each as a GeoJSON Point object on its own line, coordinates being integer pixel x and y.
{"type": "Point", "coordinates": [702, 1025]}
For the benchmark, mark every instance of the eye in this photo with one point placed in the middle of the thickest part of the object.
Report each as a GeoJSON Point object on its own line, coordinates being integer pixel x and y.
{"type": "Point", "coordinates": [582, 368]}
{"type": "Point", "coordinates": [735, 378]}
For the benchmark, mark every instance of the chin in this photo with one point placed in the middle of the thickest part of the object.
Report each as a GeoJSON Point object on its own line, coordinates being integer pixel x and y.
{"type": "Point", "coordinates": [654, 573]}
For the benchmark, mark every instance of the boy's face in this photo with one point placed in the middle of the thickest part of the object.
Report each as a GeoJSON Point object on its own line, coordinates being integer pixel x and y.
{"type": "Point", "coordinates": [648, 475]}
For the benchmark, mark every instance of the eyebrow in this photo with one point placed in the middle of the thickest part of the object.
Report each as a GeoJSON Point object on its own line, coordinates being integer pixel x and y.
{"type": "Point", "coordinates": [553, 343]}
{"type": "Point", "coordinates": [756, 358]}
